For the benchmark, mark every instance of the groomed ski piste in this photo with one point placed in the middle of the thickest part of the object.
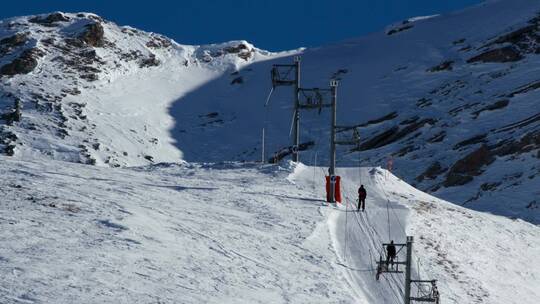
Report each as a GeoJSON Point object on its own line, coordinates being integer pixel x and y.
{"type": "Point", "coordinates": [243, 233]}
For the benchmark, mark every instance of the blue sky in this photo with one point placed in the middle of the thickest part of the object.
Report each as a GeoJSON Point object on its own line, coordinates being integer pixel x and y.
{"type": "Point", "coordinates": [269, 24]}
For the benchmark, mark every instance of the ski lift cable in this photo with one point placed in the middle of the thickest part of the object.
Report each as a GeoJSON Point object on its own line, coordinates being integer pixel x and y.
{"type": "Point", "coordinates": [269, 96]}
{"type": "Point", "coordinates": [346, 228]}
{"type": "Point", "coordinates": [265, 123]}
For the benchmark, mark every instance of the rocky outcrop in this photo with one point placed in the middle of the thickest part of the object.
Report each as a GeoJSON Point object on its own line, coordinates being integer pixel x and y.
{"type": "Point", "coordinates": [149, 61]}
{"type": "Point", "coordinates": [394, 134]}
{"type": "Point", "coordinates": [443, 66]}
{"type": "Point", "coordinates": [11, 42]}
{"type": "Point", "coordinates": [241, 49]}
{"type": "Point", "coordinates": [528, 143]}
{"type": "Point", "coordinates": [279, 155]}
{"type": "Point", "coordinates": [471, 141]}
{"type": "Point", "coordinates": [525, 89]}
{"type": "Point", "coordinates": [50, 20]}
{"type": "Point", "coordinates": [504, 54]}
{"type": "Point", "coordinates": [464, 170]}
{"type": "Point", "coordinates": [469, 166]}
{"type": "Point", "coordinates": [24, 64]}
{"type": "Point", "coordinates": [158, 42]}
{"type": "Point", "coordinates": [495, 106]}
{"type": "Point", "coordinates": [93, 35]}
{"type": "Point", "coordinates": [434, 170]}
{"type": "Point", "coordinates": [405, 25]}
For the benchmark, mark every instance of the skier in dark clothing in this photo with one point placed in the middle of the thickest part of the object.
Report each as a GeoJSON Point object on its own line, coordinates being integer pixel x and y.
{"type": "Point", "coordinates": [361, 198]}
{"type": "Point", "coordinates": [390, 253]}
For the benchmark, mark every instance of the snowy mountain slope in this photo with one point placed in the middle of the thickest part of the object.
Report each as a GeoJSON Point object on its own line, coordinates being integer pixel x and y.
{"type": "Point", "coordinates": [451, 98]}
{"type": "Point", "coordinates": [177, 233]}
{"type": "Point", "coordinates": [93, 92]}
{"type": "Point", "coordinates": [474, 256]}
{"type": "Point", "coordinates": [235, 233]}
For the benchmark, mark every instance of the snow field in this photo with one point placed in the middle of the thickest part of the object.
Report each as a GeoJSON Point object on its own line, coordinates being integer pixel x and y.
{"type": "Point", "coordinates": [167, 234]}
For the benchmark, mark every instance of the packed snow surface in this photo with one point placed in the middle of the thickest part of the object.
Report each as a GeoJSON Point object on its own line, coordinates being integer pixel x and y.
{"type": "Point", "coordinates": [238, 233]}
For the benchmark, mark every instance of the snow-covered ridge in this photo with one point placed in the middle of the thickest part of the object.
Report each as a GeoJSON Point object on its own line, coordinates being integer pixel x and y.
{"type": "Point", "coordinates": [61, 73]}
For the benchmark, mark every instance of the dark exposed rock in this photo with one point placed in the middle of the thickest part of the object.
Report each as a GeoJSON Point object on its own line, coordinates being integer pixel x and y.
{"type": "Point", "coordinates": [90, 77]}
{"type": "Point", "coordinates": [157, 42]}
{"type": "Point", "coordinates": [241, 49]}
{"type": "Point", "coordinates": [526, 88]}
{"type": "Point", "coordinates": [393, 134]}
{"type": "Point", "coordinates": [13, 115]}
{"type": "Point", "coordinates": [516, 36]}
{"type": "Point", "coordinates": [386, 117]}
{"type": "Point", "coordinates": [13, 41]}
{"type": "Point", "coordinates": [379, 140]}
{"type": "Point", "coordinates": [133, 55]}
{"type": "Point", "coordinates": [405, 150]}
{"type": "Point", "coordinates": [93, 35]}
{"type": "Point", "coordinates": [522, 123]}
{"type": "Point", "coordinates": [210, 115]}
{"type": "Point", "coordinates": [336, 75]}
{"type": "Point", "coordinates": [533, 205]}
{"type": "Point", "coordinates": [464, 169]}
{"type": "Point", "coordinates": [423, 102]}
{"type": "Point", "coordinates": [50, 20]}
{"type": "Point", "coordinates": [24, 64]}
{"type": "Point", "coordinates": [236, 49]}
{"type": "Point", "coordinates": [150, 61]}
{"type": "Point", "coordinates": [406, 25]}
{"type": "Point", "coordinates": [444, 66]}
{"type": "Point", "coordinates": [495, 106]}
{"type": "Point", "coordinates": [459, 41]}
{"type": "Point", "coordinates": [489, 186]}
{"type": "Point", "coordinates": [279, 155]}
{"type": "Point", "coordinates": [471, 141]}
{"type": "Point", "coordinates": [527, 143]}
{"type": "Point", "coordinates": [73, 42]}
{"type": "Point", "coordinates": [431, 172]}
{"type": "Point", "coordinates": [238, 80]}
{"type": "Point", "coordinates": [456, 110]}
{"type": "Point", "coordinates": [8, 140]}
{"type": "Point", "coordinates": [96, 18]}
{"type": "Point", "coordinates": [504, 54]}
{"type": "Point", "coordinates": [409, 120]}
{"type": "Point", "coordinates": [437, 137]}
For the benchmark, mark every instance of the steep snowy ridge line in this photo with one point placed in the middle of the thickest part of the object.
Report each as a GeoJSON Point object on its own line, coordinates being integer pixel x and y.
{"type": "Point", "coordinates": [100, 70]}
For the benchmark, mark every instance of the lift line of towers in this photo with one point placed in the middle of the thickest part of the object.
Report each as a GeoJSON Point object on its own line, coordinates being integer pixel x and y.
{"type": "Point", "coordinates": [317, 99]}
